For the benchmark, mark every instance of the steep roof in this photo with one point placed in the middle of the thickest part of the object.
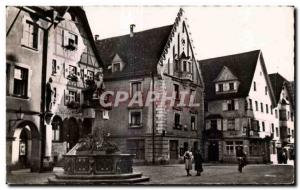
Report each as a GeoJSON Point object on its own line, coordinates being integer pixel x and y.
{"type": "Point", "coordinates": [241, 65]}
{"type": "Point", "coordinates": [277, 82]}
{"type": "Point", "coordinates": [139, 53]}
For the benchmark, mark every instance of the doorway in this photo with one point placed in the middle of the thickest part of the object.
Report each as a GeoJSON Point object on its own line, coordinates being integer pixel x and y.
{"type": "Point", "coordinates": [213, 151]}
{"type": "Point", "coordinates": [173, 149]}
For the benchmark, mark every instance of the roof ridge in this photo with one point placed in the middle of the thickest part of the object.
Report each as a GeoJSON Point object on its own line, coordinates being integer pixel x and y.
{"type": "Point", "coordinates": [147, 30]}
{"type": "Point", "coordinates": [236, 54]}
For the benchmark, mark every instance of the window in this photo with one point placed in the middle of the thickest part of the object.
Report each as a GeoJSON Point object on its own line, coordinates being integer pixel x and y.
{"type": "Point", "coordinates": [231, 124]}
{"type": "Point", "coordinates": [230, 105]}
{"type": "Point", "coordinates": [72, 41]}
{"type": "Point", "coordinates": [135, 118]}
{"type": "Point", "coordinates": [20, 81]}
{"type": "Point", "coordinates": [56, 130]}
{"type": "Point", "coordinates": [177, 121]}
{"type": "Point", "coordinates": [276, 114]}
{"type": "Point", "coordinates": [137, 147]}
{"type": "Point", "coordinates": [272, 127]}
{"type": "Point", "coordinates": [193, 123]}
{"type": "Point", "coordinates": [277, 132]}
{"type": "Point", "coordinates": [238, 144]}
{"type": "Point", "coordinates": [292, 133]}
{"type": "Point", "coordinates": [176, 89]}
{"type": "Point", "coordinates": [184, 66]}
{"type": "Point", "coordinates": [30, 35]}
{"type": "Point", "coordinates": [256, 105]}
{"type": "Point", "coordinates": [135, 87]}
{"type": "Point", "coordinates": [54, 65]}
{"type": "Point", "coordinates": [263, 126]}
{"type": "Point", "coordinates": [261, 107]}
{"type": "Point", "coordinates": [289, 131]}
{"type": "Point", "coordinates": [90, 75]}
{"type": "Point", "coordinates": [72, 70]}
{"type": "Point", "coordinates": [266, 90]}
{"type": "Point", "coordinates": [254, 85]}
{"type": "Point", "coordinates": [72, 96]}
{"type": "Point", "coordinates": [116, 67]}
{"type": "Point", "coordinates": [214, 125]}
{"type": "Point", "coordinates": [288, 115]}
{"type": "Point", "coordinates": [231, 86]}
{"type": "Point", "coordinates": [220, 87]}
{"type": "Point", "coordinates": [267, 108]}
{"type": "Point", "coordinates": [258, 126]}
{"type": "Point", "coordinates": [229, 148]}
{"type": "Point", "coordinates": [250, 104]}
{"type": "Point", "coordinates": [292, 116]}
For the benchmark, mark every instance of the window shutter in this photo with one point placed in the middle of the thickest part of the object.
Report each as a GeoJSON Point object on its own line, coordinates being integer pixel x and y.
{"type": "Point", "coordinates": [224, 106]}
{"type": "Point", "coordinates": [226, 86]}
{"type": "Point", "coordinates": [224, 124]}
{"type": "Point", "coordinates": [67, 69]}
{"type": "Point", "coordinates": [219, 125]}
{"type": "Point", "coordinates": [207, 124]}
{"type": "Point", "coordinates": [65, 38]}
{"type": "Point", "coordinates": [236, 104]}
{"type": "Point", "coordinates": [217, 88]}
{"type": "Point", "coordinates": [237, 124]}
{"type": "Point", "coordinates": [235, 85]}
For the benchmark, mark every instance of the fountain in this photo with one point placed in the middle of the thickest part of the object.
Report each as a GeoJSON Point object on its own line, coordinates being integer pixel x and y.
{"type": "Point", "coordinates": [95, 161]}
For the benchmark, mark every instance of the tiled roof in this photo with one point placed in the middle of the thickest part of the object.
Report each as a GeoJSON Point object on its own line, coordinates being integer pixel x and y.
{"type": "Point", "coordinates": [241, 65]}
{"type": "Point", "coordinates": [139, 53]}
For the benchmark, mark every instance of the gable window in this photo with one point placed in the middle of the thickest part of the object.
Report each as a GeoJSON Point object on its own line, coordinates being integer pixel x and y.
{"type": "Point", "coordinates": [263, 126]}
{"type": "Point", "coordinates": [266, 90]}
{"type": "Point", "coordinates": [261, 107]}
{"type": "Point", "coordinates": [230, 105]}
{"type": "Point", "coordinates": [267, 108]}
{"type": "Point", "coordinates": [254, 85]}
{"type": "Point", "coordinates": [256, 105]}
{"type": "Point", "coordinates": [193, 123]}
{"type": "Point", "coordinates": [231, 86]}
{"type": "Point", "coordinates": [231, 124]}
{"type": "Point", "coordinates": [276, 114]}
{"type": "Point", "coordinates": [135, 87]}
{"type": "Point", "coordinates": [292, 116]}
{"type": "Point", "coordinates": [258, 126]}
{"type": "Point", "coordinates": [272, 126]}
{"type": "Point", "coordinates": [177, 124]}
{"type": "Point", "coordinates": [20, 81]}
{"type": "Point", "coordinates": [135, 118]}
{"type": "Point", "coordinates": [30, 35]}
{"type": "Point", "coordinates": [220, 87]}
{"type": "Point", "coordinates": [277, 132]}
{"type": "Point", "coordinates": [116, 67]}
{"type": "Point", "coordinates": [176, 89]}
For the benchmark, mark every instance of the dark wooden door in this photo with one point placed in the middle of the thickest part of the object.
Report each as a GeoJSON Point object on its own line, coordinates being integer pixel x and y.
{"type": "Point", "coordinates": [213, 151]}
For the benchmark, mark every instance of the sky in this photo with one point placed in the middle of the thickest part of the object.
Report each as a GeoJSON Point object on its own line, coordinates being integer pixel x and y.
{"type": "Point", "coordinates": [216, 31]}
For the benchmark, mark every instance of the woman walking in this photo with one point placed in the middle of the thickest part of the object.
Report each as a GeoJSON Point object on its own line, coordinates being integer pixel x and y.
{"type": "Point", "coordinates": [188, 159]}
{"type": "Point", "coordinates": [198, 162]}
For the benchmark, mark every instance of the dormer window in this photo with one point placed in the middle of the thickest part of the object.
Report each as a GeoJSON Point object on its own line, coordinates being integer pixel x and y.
{"type": "Point", "coordinates": [226, 87]}
{"type": "Point", "coordinates": [116, 67]}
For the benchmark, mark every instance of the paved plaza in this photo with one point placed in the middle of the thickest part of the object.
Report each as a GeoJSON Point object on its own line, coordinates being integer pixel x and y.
{"type": "Point", "coordinates": [175, 174]}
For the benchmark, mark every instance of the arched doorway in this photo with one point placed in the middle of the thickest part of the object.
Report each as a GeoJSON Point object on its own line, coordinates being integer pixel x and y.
{"type": "Point", "coordinates": [26, 146]}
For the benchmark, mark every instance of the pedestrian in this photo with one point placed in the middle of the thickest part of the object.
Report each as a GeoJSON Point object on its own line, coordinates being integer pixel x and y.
{"type": "Point", "coordinates": [188, 160]}
{"type": "Point", "coordinates": [241, 158]}
{"type": "Point", "coordinates": [198, 162]}
{"type": "Point", "coordinates": [284, 157]}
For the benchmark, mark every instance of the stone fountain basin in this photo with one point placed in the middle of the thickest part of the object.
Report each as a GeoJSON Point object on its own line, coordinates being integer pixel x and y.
{"type": "Point", "coordinates": [97, 163]}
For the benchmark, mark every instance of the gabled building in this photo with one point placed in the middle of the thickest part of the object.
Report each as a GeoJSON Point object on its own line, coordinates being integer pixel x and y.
{"type": "Point", "coordinates": [45, 119]}
{"type": "Point", "coordinates": [285, 112]}
{"type": "Point", "coordinates": [239, 108]}
{"type": "Point", "coordinates": [161, 60]}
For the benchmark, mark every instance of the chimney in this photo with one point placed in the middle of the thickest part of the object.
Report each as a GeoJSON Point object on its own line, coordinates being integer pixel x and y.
{"type": "Point", "coordinates": [96, 37]}
{"type": "Point", "coordinates": [131, 30]}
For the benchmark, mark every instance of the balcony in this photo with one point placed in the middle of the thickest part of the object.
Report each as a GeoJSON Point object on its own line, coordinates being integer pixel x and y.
{"type": "Point", "coordinates": [183, 75]}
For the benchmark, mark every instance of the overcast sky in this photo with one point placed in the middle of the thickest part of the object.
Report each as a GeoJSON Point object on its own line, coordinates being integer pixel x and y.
{"type": "Point", "coordinates": [216, 31]}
